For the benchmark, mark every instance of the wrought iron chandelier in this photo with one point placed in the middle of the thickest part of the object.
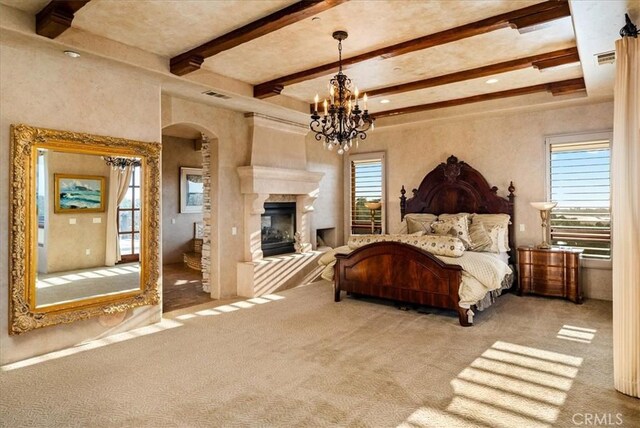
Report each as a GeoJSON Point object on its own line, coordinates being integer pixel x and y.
{"type": "Point", "coordinates": [121, 163]}
{"type": "Point", "coordinates": [343, 123]}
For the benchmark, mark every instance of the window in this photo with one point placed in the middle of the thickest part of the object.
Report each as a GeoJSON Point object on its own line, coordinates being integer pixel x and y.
{"type": "Point", "coordinates": [367, 188]}
{"type": "Point", "coordinates": [129, 220]}
{"type": "Point", "coordinates": [580, 182]}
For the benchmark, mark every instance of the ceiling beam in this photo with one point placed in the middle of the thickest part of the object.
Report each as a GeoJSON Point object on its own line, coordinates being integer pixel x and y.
{"type": "Point", "coordinates": [57, 16]}
{"type": "Point", "coordinates": [555, 88]}
{"type": "Point", "coordinates": [191, 60]}
{"type": "Point", "coordinates": [541, 61]}
{"type": "Point", "coordinates": [528, 16]}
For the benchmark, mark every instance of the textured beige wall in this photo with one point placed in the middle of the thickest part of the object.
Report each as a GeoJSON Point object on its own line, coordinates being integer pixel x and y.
{"type": "Point", "coordinates": [328, 208]}
{"type": "Point", "coordinates": [176, 238]}
{"type": "Point", "coordinates": [503, 147]}
{"type": "Point", "coordinates": [67, 243]}
{"type": "Point", "coordinates": [48, 89]}
{"type": "Point", "coordinates": [275, 147]}
{"type": "Point", "coordinates": [230, 148]}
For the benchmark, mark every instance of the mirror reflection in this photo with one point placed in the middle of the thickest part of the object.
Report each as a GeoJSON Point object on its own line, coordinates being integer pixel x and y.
{"type": "Point", "coordinates": [88, 226]}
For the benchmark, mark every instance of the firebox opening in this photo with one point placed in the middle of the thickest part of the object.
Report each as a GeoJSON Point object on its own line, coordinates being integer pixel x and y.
{"type": "Point", "coordinates": [278, 228]}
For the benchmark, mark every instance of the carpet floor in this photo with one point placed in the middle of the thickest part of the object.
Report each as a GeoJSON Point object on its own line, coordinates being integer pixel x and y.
{"type": "Point", "coordinates": [298, 359]}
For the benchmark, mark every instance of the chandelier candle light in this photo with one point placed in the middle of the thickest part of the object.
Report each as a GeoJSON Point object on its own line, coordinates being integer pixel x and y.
{"type": "Point", "coordinates": [343, 121]}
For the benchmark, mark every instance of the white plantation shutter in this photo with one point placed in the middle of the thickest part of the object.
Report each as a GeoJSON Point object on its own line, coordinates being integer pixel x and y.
{"type": "Point", "coordinates": [366, 186]}
{"type": "Point", "coordinates": [580, 182]}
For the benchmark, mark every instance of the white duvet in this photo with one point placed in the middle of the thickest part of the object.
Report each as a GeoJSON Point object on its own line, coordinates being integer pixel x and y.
{"type": "Point", "coordinates": [482, 273]}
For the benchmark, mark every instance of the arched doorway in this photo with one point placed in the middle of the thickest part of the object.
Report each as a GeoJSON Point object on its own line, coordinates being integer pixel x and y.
{"type": "Point", "coordinates": [189, 215]}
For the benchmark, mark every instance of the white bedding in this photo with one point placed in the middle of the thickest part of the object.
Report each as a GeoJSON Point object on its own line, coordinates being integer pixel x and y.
{"type": "Point", "coordinates": [482, 273]}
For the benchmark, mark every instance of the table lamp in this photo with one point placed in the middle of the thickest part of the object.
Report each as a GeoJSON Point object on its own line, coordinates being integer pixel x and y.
{"type": "Point", "coordinates": [373, 207]}
{"type": "Point", "coordinates": [544, 208]}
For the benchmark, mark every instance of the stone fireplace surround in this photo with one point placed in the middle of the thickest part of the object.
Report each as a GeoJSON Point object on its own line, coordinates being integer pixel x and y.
{"type": "Point", "coordinates": [267, 179]}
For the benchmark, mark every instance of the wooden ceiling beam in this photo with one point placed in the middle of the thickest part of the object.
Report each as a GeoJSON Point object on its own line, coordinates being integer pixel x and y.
{"type": "Point", "coordinates": [528, 16]}
{"type": "Point", "coordinates": [191, 60]}
{"type": "Point", "coordinates": [555, 88]}
{"type": "Point", "coordinates": [545, 60]}
{"type": "Point", "coordinates": [540, 61]}
{"type": "Point", "coordinates": [57, 16]}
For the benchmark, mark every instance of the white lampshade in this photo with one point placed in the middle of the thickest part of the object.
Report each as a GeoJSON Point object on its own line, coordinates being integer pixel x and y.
{"type": "Point", "coordinates": [543, 206]}
{"type": "Point", "coordinates": [373, 205]}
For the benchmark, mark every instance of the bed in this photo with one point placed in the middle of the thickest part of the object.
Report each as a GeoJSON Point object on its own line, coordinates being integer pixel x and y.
{"type": "Point", "coordinates": [394, 269]}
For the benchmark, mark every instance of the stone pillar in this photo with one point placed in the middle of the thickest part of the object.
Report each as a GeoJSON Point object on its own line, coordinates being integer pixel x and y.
{"type": "Point", "coordinates": [206, 214]}
{"type": "Point", "coordinates": [304, 206]}
{"type": "Point", "coordinates": [253, 208]}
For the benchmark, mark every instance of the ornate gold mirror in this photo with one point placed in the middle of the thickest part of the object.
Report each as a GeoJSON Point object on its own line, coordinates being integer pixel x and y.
{"type": "Point", "coordinates": [85, 226]}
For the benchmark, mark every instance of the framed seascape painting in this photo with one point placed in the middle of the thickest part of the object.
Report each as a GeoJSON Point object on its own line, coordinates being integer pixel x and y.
{"type": "Point", "coordinates": [191, 190]}
{"type": "Point", "coordinates": [78, 193]}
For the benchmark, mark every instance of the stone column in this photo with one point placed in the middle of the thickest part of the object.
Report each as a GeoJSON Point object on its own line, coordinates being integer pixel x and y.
{"type": "Point", "coordinates": [253, 208]}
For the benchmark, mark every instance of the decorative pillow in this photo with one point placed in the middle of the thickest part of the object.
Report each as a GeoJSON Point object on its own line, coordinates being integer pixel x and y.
{"type": "Point", "coordinates": [500, 220]}
{"type": "Point", "coordinates": [459, 223]}
{"type": "Point", "coordinates": [443, 228]}
{"type": "Point", "coordinates": [414, 226]}
{"type": "Point", "coordinates": [480, 238]}
{"type": "Point", "coordinates": [420, 222]}
{"type": "Point", "coordinates": [495, 233]}
{"type": "Point", "coordinates": [330, 255]}
{"type": "Point", "coordinates": [447, 216]}
{"type": "Point", "coordinates": [439, 245]}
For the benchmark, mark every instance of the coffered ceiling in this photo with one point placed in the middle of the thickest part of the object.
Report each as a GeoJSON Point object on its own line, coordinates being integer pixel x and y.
{"type": "Point", "coordinates": [446, 50]}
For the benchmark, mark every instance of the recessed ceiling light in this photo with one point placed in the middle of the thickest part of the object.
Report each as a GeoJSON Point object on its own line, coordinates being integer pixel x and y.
{"type": "Point", "coordinates": [491, 81]}
{"type": "Point", "coordinates": [397, 69]}
{"type": "Point", "coordinates": [72, 54]}
{"type": "Point", "coordinates": [385, 101]}
{"type": "Point", "coordinates": [315, 19]}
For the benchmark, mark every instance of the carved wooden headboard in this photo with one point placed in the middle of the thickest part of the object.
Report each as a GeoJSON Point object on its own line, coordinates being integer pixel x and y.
{"type": "Point", "coordinates": [455, 187]}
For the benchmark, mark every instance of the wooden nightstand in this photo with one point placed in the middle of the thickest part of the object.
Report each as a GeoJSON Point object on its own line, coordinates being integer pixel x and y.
{"type": "Point", "coordinates": [554, 272]}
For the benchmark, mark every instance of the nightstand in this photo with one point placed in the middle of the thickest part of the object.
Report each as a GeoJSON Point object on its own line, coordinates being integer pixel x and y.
{"type": "Point", "coordinates": [554, 272]}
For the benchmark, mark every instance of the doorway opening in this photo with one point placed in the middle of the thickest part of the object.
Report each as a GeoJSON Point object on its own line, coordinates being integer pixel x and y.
{"type": "Point", "coordinates": [185, 190]}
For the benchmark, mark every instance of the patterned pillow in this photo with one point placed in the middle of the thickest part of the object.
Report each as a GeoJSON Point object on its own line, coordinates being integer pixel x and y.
{"type": "Point", "coordinates": [420, 222]}
{"type": "Point", "coordinates": [502, 221]}
{"type": "Point", "coordinates": [458, 223]}
{"type": "Point", "coordinates": [480, 238]}
{"type": "Point", "coordinates": [443, 228]}
{"type": "Point", "coordinates": [414, 226]}
{"type": "Point", "coordinates": [439, 245]}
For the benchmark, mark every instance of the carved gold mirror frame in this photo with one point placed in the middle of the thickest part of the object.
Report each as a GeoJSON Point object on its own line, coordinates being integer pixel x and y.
{"type": "Point", "coordinates": [25, 142]}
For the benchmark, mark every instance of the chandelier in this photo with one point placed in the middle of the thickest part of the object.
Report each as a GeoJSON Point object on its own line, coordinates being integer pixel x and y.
{"type": "Point", "coordinates": [343, 123]}
{"type": "Point", "coordinates": [120, 163]}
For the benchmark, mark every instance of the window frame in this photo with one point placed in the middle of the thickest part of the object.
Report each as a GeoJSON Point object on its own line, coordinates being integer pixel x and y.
{"type": "Point", "coordinates": [577, 138]}
{"type": "Point", "coordinates": [347, 188]}
{"type": "Point", "coordinates": [133, 256]}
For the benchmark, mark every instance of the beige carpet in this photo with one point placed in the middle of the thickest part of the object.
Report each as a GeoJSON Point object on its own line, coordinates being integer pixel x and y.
{"type": "Point", "coordinates": [69, 286]}
{"type": "Point", "coordinates": [304, 360]}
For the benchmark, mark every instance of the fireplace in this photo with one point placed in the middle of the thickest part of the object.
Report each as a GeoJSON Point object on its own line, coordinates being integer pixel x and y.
{"type": "Point", "coordinates": [278, 228]}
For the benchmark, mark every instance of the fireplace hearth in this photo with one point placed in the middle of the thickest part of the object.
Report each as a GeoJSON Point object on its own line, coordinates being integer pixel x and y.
{"type": "Point", "coordinates": [278, 226]}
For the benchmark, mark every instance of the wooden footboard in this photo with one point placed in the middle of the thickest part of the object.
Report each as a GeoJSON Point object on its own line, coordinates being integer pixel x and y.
{"type": "Point", "coordinates": [400, 272]}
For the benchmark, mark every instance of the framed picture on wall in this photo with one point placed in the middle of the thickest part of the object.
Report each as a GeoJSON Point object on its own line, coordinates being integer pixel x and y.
{"type": "Point", "coordinates": [191, 190]}
{"type": "Point", "coordinates": [78, 193]}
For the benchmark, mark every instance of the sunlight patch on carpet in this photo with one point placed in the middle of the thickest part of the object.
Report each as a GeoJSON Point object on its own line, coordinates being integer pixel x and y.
{"type": "Point", "coordinates": [576, 334]}
{"type": "Point", "coordinates": [508, 385]}
{"type": "Point", "coordinates": [163, 325]}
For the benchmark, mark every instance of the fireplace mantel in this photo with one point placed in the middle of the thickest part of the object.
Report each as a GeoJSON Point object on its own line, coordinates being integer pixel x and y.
{"type": "Point", "coordinates": [270, 180]}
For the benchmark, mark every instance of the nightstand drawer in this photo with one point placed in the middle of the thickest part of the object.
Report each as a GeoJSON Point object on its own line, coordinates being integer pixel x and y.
{"type": "Point", "coordinates": [547, 259]}
{"type": "Point", "coordinates": [547, 274]}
